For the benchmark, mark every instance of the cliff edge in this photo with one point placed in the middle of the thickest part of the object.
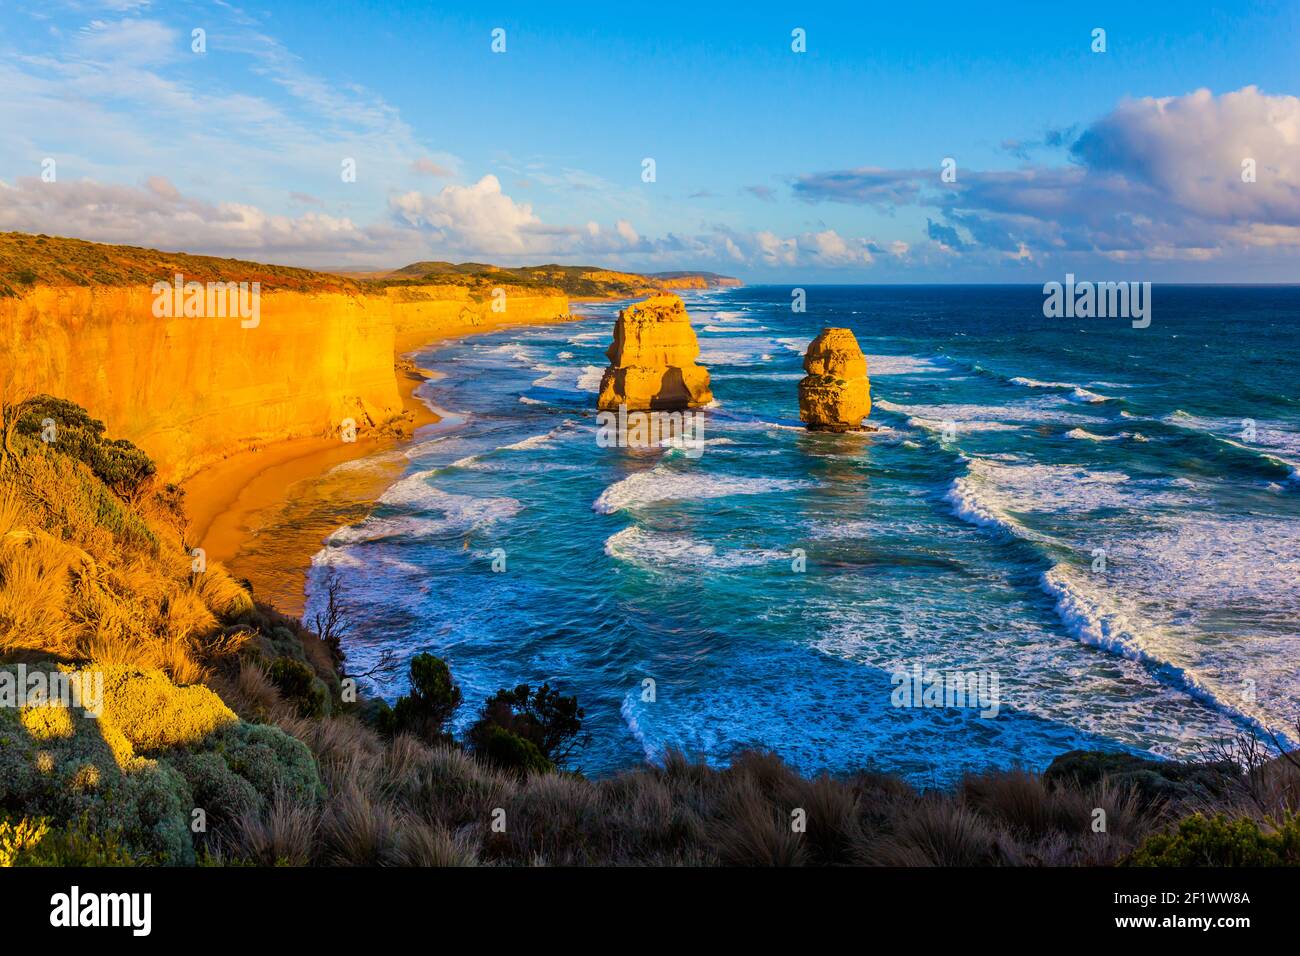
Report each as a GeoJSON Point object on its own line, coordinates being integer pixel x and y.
{"type": "Point", "coordinates": [195, 358]}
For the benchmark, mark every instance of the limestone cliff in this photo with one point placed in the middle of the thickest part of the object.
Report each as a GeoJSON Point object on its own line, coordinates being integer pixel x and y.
{"type": "Point", "coordinates": [190, 391]}
{"type": "Point", "coordinates": [652, 360]}
{"type": "Point", "coordinates": [835, 395]}
{"type": "Point", "coordinates": [694, 280]}
{"type": "Point", "coordinates": [425, 313]}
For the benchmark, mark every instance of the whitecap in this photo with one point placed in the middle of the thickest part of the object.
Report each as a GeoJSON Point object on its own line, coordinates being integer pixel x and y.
{"type": "Point", "coordinates": [900, 365]}
{"type": "Point", "coordinates": [659, 484]}
{"type": "Point", "coordinates": [1085, 435]}
{"type": "Point", "coordinates": [654, 550]}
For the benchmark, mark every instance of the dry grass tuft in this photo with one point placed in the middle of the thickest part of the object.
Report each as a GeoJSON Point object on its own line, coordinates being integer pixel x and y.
{"type": "Point", "coordinates": [749, 831]}
{"type": "Point", "coordinates": [936, 831]}
{"type": "Point", "coordinates": [424, 844]}
{"type": "Point", "coordinates": [358, 829]}
{"type": "Point", "coordinates": [286, 833]}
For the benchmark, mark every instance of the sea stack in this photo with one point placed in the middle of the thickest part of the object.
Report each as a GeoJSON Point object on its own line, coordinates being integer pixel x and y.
{"type": "Point", "coordinates": [652, 361]}
{"type": "Point", "coordinates": [835, 395]}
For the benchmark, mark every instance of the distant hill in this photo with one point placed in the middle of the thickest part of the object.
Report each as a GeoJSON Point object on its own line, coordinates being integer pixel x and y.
{"type": "Point", "coordinates": [28, 260]}
{"type": "Point", "coordinates": [711, 280]}
{"type": "Point", "coordinates": [579, 282]}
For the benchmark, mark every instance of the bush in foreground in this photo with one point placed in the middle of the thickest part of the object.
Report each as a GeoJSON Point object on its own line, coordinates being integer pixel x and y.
{"type": "Point", "coordinates": [425, 711]}
{"type": "Point", "coordinates": [1217, 840]}
{"type": "Point", "coordinates": [517, 727]}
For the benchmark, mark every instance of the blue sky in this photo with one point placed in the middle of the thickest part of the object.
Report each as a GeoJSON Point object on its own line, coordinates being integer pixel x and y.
{"type": "Point", "coordinates": [769, 164]}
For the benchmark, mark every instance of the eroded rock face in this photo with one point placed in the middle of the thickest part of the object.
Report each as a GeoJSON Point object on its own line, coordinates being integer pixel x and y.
{"type": "Point", "coordinates": [835, 395]}
{"type": "Point", "coordinates": [652, 361]}
{"type": "Point", "coordinates": [190, 391]}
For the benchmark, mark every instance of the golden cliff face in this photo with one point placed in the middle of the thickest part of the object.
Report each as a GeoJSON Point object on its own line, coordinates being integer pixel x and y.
{"type": "Point", "coordinates": [652, 360]}
{"type": "Point", "coordinates": [191, 390]}
{"type": "Point", "coordinates": [835, 395]}
{"type": "Point", "coordinates": [425, 313]}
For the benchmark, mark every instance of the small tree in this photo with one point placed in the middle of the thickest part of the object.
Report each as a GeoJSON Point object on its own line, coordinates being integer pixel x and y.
{"type": "Point", "coordinates": [331, 624]}
{"type": "Point", "coordinates": [431, 703]}
{"type": "Point", "coordinates": [543, 717]}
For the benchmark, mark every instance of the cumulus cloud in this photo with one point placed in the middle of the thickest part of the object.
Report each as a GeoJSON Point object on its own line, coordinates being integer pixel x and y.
{"type": "Point", "coordinates": [1190, 150]}
{"type": "Point", "coordinates": [479, 216]}
{"type": "Point", "coordinates": [158, 213]}
{"type": "Point", "coordinates": [118, 101]}
{"type": "Point", "coordinates": [459, 221]}
{"type": "Point", "coordinates": [775, 251]}
{"type": "Point", "coordinates": [1190, 177]}
{"type": "Point", "coordinates": [829, 248]}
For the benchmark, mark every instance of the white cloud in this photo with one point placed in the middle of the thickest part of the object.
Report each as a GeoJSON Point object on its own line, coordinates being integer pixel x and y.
{"type": "Point", "coordinates": [157, 214]}
{"type": "Point", "coordinates": [1190, 150]}
{"type": "Point", "coordinates": [479, 217]}
{"type": "Point", "coordinates": [1157, 178]}
{"type": "Point", "coordinates": [775, 251]}
{"type": "Point", "coordinates": [626, 232]}
{"type": "Point", "coordinates": [828, 247]}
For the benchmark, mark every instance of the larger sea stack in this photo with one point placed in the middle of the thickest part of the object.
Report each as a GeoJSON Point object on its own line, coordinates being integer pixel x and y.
{"type": "Point", "coordinates": [652, 361]}
{"type": "Point", "coordinates": [835, 395]}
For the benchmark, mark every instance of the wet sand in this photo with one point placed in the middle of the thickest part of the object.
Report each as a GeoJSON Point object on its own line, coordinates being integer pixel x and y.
{"type": "Point", "coordinates": [265, 513]}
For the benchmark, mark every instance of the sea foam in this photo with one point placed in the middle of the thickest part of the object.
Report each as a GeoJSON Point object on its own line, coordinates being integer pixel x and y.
{"type": "Point", "coordinates": [660, 484]}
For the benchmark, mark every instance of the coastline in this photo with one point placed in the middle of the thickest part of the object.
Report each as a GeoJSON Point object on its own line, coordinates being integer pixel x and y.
{"type": "Point", "coordinates": [231, 503]}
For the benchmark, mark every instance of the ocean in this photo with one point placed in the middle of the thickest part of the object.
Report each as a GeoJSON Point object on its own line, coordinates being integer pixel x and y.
{"type": "Point", "coordinates": [1101, 522]}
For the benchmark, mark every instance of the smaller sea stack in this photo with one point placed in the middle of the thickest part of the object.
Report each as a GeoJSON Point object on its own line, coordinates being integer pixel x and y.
{"type": "Point", "coordinates": [835, 395]}
{"type": "Point", "coordinates": [652, 361]}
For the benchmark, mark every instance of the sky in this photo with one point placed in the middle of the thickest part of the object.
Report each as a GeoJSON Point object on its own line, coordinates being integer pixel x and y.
{"type": "Point", "coordinates": [904, 143]}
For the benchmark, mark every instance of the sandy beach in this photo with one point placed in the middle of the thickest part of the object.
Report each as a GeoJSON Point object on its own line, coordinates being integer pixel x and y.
{"type": "Point", "coordinates": [232, 503]}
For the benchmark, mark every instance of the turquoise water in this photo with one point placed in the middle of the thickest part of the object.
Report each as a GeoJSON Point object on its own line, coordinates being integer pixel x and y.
{"type": "Point", "coordinates": [964, 536]}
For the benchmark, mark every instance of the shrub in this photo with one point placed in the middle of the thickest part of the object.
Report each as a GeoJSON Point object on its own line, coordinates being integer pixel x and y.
{"type": "Point", "coordinates": [58, 764]}
{"type": "Point", "coordinates": [1219, 841]}
{"type": "Point", "coordinates": [432, 701]}
{"type": "Point", "coordinates": [116, 462]}
{"type": "Point", "coordinates": [154, 714]}
{"type": "Point", "coordinates": [269, 759]}
{"type": "Point", "coordinates": [541, 717]}
{"type": "Point", "coordinates": [69, 767]}
{"type": "Point", "coordinates": [17, 838]}
{"type": "Point", "coordinates": [77, 844]}
{"type": "Point", "coordinates": [509, 751]}
{"type": "Point", "coordinates": [1151, 780]}
{"type": "Point", "coordinates": [298, 685]}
